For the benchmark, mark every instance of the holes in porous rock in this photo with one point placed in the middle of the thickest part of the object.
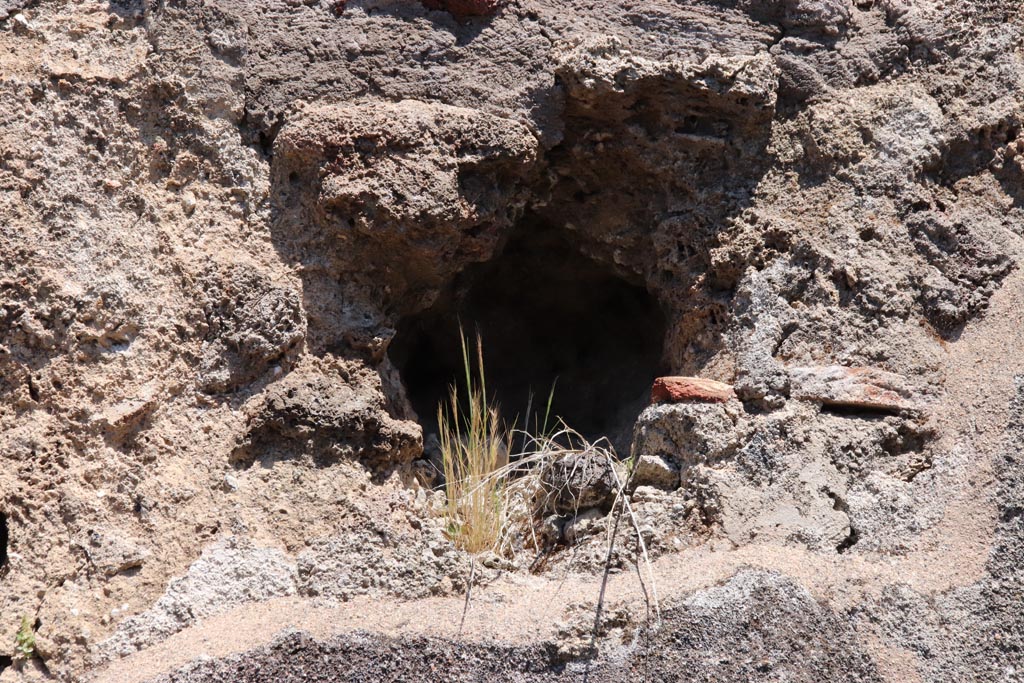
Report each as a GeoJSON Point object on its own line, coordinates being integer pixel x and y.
{"type": "Point", "coordinates": [4, 539]}
{"type": "Point", "coordinates": [1011, 513]}
{"type": "Point", "coordinates": [853, 536]}
{"type": "Point", "coordinates": [548, 316]}
{"type": "Point", "coordinates": [849, 541]}
{"type": "Point", "coordinates": [865, 412]}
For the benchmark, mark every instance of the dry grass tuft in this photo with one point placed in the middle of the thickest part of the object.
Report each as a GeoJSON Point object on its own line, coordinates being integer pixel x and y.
{"type": "Point", "coordinates": [493, 502]}
{"type": "Point", "coordinates": [473, 448]}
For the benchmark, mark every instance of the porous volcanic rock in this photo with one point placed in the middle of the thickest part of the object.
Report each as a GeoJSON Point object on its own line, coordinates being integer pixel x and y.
{"type": "Point", "coordinates": [868, 388]}
{"type": "Point", "coordinates": [578, 481]}
{"type": "Point", "coordinates": [219, 218]}
{"type": "Point", "coordinates": [688, 433]}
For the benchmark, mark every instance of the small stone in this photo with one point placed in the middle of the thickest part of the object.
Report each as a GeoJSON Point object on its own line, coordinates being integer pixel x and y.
{"type": "Point", "coordinates": [188, 203]}
{"type": "Point", "coordinates": [230, 482]}
{"type": "Point", "coordinates": [111, 553]}
{"type": "Point", "coordinates": [581, 524]}
{"type": "Point", "coordinates": [492, 560]}
{"type": "Point", "coordinates": [124, 415]}
{"type": "Point", "coordinates": [656, 471]}
{"type": "Point", "coordinates": [21, 24]}
{"type": "Point", "coordinates": [577, 481]}
{"type": "Point", "coordinates": [552, 528]}
{"type": "Point", "coordinates": [690, 389]}
{"type": "Point", "coordinates": [650, 496]}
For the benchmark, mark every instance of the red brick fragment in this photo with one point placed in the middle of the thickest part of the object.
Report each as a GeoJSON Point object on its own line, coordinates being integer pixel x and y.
{"type": "Point", "coordinates": [690, 390]}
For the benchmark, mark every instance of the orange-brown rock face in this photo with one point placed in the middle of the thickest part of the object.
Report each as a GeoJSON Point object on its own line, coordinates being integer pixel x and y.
{"type": "Point", "coordinates": [686, 389]}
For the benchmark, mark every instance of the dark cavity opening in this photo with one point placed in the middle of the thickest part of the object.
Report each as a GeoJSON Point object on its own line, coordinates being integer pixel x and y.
{"type": "Point", "coordinates": [547, 316]}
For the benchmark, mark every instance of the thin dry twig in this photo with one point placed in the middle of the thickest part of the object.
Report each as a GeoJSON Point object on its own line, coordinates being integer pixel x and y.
{"type": "Point", "coordinates": [469, 592]}
{"type": "Point", "coordinates": [640, 540]}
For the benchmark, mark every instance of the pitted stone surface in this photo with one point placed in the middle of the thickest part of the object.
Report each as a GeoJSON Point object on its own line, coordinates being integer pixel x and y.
{"type": "Point", "coordinates": [855, 387]}
{"type": "Point", "coordinates": [214, 216]}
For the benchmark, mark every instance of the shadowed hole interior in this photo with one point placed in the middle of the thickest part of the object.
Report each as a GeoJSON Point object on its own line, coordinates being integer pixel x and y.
{"type": "Point", "coordinates": [545, 313]}
{"type": "Point", "coordinates": [4, 538]}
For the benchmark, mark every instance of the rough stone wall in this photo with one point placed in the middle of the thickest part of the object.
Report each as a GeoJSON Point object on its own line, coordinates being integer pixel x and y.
{"type": "Point", "coordinates": [214, 214]}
